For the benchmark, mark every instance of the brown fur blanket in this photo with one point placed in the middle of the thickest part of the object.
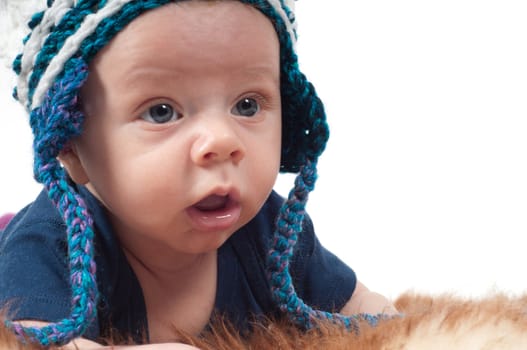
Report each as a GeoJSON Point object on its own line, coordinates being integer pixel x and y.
{"type": "Point", "coordinates": [429, 322]}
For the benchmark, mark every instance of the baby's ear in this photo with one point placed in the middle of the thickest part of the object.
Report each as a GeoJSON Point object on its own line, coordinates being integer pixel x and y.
{"type": "Point", "coordinates": [69, 158]}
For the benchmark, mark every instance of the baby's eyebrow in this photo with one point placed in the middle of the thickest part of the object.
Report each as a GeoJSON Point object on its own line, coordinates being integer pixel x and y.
{"type": "Point", "coordinates": [134, 74]}
{"type": "Point", "coordinates": [259, 73]}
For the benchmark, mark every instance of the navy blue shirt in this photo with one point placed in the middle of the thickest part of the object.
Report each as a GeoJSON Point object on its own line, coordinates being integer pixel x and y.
{"type": "Point", "coordinates": [34, 275]}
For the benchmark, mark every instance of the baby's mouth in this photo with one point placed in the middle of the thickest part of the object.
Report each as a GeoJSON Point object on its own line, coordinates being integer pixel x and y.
{"type": "Point", "coordinates": [215, 213]}
{"type": "Point", "coordinates": [212, 203]}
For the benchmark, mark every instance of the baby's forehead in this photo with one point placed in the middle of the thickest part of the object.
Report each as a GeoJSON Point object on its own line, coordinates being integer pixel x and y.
{"type": "Point", "coordinates": [197, 25]}
{"type": "Point", "coordinates": [175, 40]}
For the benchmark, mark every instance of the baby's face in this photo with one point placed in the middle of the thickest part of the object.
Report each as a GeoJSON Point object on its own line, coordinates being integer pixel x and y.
{"type": "Point", "coordinates": [183, 125]}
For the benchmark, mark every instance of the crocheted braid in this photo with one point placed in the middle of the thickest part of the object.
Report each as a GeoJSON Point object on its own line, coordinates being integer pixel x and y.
{"type": "Point", "coordinates": [51, 133]}
{"type": "Point", "coordinates": [289, 224]}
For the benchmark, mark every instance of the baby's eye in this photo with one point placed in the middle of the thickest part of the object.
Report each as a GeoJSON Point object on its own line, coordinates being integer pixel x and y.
{"type": "Point", "coordinates": [160, 113]}
{"type": "Point", "coordinates": [246, 107]}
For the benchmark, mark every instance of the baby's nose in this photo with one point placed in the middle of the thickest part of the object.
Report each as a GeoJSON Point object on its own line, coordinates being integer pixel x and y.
{"type": "Point", "coordinates": [217, 142]}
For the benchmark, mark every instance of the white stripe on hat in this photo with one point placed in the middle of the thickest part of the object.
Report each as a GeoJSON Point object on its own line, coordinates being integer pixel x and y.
{"type": "Point", "coordinates": [290, 26]}
{"type": "Point", "coordinates": [39, 34]}
{"type": "Point", "coordinates": [71, 45]}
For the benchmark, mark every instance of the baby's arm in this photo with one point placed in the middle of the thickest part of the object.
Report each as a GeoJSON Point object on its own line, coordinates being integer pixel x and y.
{"type": "Point", "coordinates": [365, 301]}
{"type": "Point", "coordinates": [85, 344]}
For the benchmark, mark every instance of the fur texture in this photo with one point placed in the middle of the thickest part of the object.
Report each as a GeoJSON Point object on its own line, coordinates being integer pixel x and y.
{"type": "Point", "coordinates": [430, 322]}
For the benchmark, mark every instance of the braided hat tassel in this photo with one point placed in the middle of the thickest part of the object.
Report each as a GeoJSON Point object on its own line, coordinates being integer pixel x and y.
{"type": "Point", "coordinates": [48, 123]}
{"type": "Point", "coordinates": [289, 224]}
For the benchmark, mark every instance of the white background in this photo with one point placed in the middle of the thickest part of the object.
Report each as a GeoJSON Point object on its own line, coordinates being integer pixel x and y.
{"type": "Point", "coordinates": [423, 183]}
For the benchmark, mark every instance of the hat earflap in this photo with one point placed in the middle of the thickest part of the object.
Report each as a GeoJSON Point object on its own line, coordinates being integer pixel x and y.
{"type": "Point", "coordinates": [304, 128]}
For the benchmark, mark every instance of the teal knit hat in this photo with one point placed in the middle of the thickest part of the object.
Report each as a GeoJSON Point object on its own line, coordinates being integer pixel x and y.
{"type": "Point", "coordinates": [52, 67]}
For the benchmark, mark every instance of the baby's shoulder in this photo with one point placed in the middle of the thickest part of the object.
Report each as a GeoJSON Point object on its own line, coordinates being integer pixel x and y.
{"type": "Point", "coordinates": [38, 220]}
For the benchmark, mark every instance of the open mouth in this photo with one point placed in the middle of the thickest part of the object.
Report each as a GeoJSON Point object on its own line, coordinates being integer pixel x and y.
{"type": "Point", "coordinates": [215, 212]}
{"type": "Point", "coordinates": [212, 203]}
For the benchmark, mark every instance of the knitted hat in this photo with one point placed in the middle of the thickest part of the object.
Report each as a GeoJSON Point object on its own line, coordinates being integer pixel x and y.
{"type": "Point", "coordinates": [52, 67]}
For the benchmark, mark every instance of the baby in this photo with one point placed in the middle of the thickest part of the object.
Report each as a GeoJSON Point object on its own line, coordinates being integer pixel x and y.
{"type": "Point", "coordinates": [159, 130]}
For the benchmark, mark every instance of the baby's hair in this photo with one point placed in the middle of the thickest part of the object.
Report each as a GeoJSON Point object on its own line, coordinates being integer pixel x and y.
{"type": "Point", "coordinates": [52, 68]}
